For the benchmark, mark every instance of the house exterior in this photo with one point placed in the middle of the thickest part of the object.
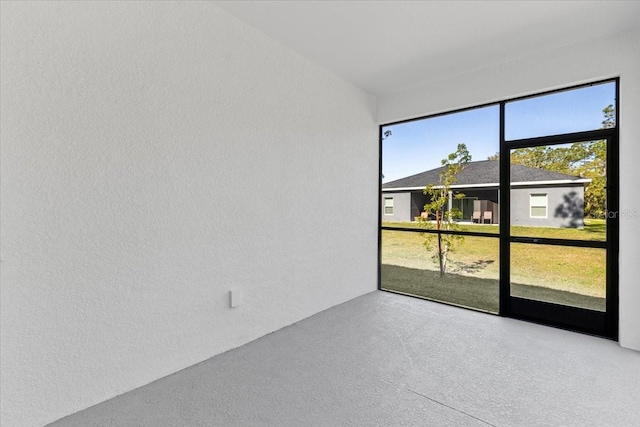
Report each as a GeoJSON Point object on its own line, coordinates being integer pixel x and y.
{"type": "Point", "coordinates": [538, 197]}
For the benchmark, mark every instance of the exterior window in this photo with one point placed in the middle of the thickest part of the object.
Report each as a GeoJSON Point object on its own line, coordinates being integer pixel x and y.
{"type": "Point", "coordinates": [538, 205]}
{"type": "Point", "coordinates": [388, 205]}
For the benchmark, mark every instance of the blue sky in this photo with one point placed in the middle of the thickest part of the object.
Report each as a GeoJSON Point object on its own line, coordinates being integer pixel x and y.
{"type": "Point", "coordinates": [420, 145]}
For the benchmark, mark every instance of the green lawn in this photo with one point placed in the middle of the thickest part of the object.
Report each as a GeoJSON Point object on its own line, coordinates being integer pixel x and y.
{"type": "Point", "coordinates": [568, 275]}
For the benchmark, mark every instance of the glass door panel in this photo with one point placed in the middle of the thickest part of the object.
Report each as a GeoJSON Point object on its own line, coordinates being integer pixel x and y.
{"type": "Point", "coordinates": [559, 191]}
{"type": "Point", "coordinates": [572, 276]}
{"type": "Point", "coordinates": [558, 246]}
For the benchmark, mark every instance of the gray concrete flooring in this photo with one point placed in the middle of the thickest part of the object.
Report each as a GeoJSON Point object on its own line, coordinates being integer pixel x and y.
{"type": "Point", "coordinates": [385, 359]}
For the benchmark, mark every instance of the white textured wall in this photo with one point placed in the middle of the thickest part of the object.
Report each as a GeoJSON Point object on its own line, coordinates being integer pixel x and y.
{"type": "Point", "coordinates": [154, 155]}
{"type": "Point", "coordinates": [567, 65]}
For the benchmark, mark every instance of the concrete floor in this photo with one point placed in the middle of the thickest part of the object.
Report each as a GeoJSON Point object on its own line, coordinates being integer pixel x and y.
{"type": "Point", "coordinates": [385, 359]}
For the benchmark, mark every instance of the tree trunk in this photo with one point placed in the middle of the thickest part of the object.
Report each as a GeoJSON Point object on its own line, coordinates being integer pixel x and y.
{"type": "Point", "coordinates": [439, 227]}
{"type": "Point", "coordinates": [444, 249]}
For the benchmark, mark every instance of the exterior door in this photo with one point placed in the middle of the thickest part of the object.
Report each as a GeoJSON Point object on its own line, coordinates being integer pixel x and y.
{"type": "Point", "coordinates": [559, 252]}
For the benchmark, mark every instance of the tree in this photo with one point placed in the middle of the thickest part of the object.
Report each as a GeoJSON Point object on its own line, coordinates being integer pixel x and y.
{"type": "Point", "coordinates": [440, 206]}
{"type": "Point", "coordinates": [609, 117]}
{"type": "Point", "coordinates": [595, 167]}
{"type": "Point", "coordinates": [586, 159]}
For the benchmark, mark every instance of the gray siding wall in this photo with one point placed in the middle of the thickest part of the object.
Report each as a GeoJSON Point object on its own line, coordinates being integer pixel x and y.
{"type": "Point", "coordinates": [565, 206]}
{"type": "Point", "coordinates": [401, 207]}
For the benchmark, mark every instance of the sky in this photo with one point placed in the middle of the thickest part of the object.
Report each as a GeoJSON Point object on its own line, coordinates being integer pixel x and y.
{"type": "Point", "coordinates": [420, 145]}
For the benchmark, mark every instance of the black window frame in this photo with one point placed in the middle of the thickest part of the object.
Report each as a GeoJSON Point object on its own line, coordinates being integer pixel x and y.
{"type": "Point", "coordinates": [507, 303]}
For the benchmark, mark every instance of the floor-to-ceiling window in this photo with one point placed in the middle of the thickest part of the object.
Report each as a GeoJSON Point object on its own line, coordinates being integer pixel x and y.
{"type": "Point", "coordinates": [544, 250]}
{"type": "Point", "coordinates": [442, 241]}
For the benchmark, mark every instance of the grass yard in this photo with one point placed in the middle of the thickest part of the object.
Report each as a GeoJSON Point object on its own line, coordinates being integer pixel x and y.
{"type": "Point", "coordinates": [566, 275]}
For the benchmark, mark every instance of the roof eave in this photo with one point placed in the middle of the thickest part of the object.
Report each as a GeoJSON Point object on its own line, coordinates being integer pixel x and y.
{"type": "Point", "coordinates": [497, 185]}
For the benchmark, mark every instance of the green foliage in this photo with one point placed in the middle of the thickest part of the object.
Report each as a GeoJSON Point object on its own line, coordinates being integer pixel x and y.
{"type": "Point", "coordinates": [609, 117]}
{"type": "Point", "coordinates": [439, 194]}
{"type": "Point", "coordinates": [438, 206]}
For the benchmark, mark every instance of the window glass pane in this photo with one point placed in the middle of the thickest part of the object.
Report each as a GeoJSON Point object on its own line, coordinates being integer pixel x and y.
{"type": "Point", "coordinates": [388, 206]}
{"type": "Point", "coordinates": [559, 274]}
{"type": "Point", "coordinates": [538, 200]}
{"type": "Point", "coordinates": [471, 270]}
{"type": "Point", "coordinates": [575, 110]}
{"type": "Point", "coordinates": [559, 191]}
{"type": "Point", "coordinates": [538, 211]}
{"type": "Point", "coordinates": [412, 159]}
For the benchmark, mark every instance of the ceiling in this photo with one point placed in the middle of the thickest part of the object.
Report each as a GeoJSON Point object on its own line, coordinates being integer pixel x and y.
{"type": "Point", "coordinates": [388, 46]}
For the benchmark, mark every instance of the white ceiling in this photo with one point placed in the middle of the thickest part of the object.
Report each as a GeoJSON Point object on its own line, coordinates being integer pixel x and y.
{"type": "Point", "coordinates": [387, 46]}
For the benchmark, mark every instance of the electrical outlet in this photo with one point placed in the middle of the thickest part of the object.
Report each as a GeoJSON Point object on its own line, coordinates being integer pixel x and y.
{"type": "Point", "coordinates": [235, 298]}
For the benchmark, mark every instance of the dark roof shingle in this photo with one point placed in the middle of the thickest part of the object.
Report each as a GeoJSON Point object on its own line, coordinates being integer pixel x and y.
{"type": "Point", "coordinates": [481, 172]}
